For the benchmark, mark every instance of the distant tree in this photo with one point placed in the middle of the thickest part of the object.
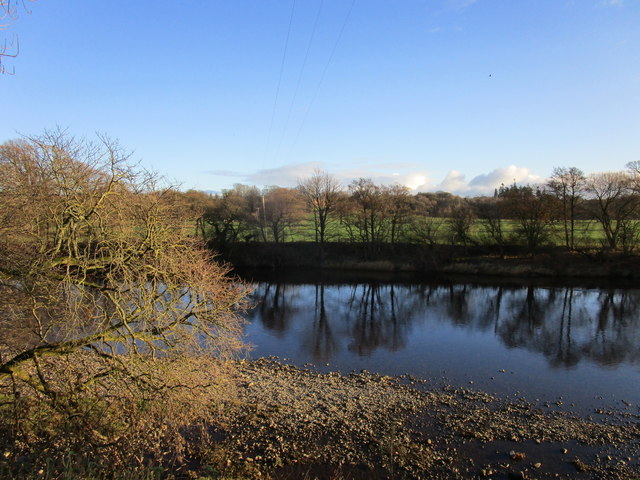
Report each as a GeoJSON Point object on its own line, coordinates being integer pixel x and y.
{"type": "Point", "coordinates": [321, 192]}
{"type": "Point", "coordinates": [568, 185]}
{"type": "Point", "coordinates": [633, 169]}
{"type": "Point", "coordinates": [197, 203]}
{"type": "Point", "coordinates": [491, 216]}
{"type": "Point", "coordinates": [368, 211]}
{"type": "Point", "coordinates": [423, 227]}
{"type": "Point", "coordinates": [615, 207]}
{"type": "Point", "coordinates": [442, 203]}
{"type": "Point", "coordinates": [461, 222]}
{"type": "Point", "coordinates": [232, 214]}
{"type": "Point", "coordinates": [400, 205]}
{"type": "Point", "coordinates": [283, 207]}
{"type": "Point", "coordinates": [532, 210]}
{"type": "Point", "coordinates": [425, 230]}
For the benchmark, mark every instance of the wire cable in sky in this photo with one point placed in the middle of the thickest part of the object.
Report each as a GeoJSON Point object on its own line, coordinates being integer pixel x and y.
{"type": "Point", "coordinates": [324, 72]}
{"type": "Point", "coordinates": [284, 57]}
{"type": "Point", "coordinates": [304, 63]}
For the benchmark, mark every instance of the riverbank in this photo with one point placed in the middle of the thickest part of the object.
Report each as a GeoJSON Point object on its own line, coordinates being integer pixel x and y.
{"type": "Point", "coordinates": [552, 262]}
{"type": "Point", "coordinates": [297, 423]}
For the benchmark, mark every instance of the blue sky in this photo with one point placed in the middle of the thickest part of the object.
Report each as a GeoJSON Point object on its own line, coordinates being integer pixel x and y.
{"type": "Point", "coordinates": [457, 95]}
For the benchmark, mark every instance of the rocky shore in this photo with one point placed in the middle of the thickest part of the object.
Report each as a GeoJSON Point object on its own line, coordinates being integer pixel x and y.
{"type": "Point", "coordinates": [291, 423]}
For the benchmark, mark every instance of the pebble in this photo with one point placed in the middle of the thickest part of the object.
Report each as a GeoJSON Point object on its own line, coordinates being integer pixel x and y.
{"type": "Point", "coordinates": [517, 456]}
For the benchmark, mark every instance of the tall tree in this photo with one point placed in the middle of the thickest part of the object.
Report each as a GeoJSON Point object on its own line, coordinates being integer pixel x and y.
{"type": "Point", "coordinates": [491, 215]}
{"type": "Point", "coordinates": [369, 210]}
{"type": "Point", "coordinates": [461, 223]}
{"type": "Point", "coordinates": [232, 214]}
{"type": "Point", "coordinates": [321, 192]}
{"type": "Point", "coordinates": [400, 204]}
{"type": "Point", "coordinates": [531, 208]}
{"type": "Point", "coordinates": [198, 203]}
{"type": "Point", "coordinates": [282, 208]}
{"type": "Point", "coordinates": [615, 206]}
{"type": "Point", "coordinates": [568, 185]}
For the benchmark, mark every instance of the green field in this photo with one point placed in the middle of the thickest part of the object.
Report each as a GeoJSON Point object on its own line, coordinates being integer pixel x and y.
{"type": "Point", "coordinates": [588, 233]}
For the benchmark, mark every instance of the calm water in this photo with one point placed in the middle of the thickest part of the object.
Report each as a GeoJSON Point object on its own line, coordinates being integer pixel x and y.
{"type": "Point", "coordinates": [538, 342]}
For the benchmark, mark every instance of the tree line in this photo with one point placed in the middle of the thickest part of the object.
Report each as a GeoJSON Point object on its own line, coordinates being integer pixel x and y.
{"type": "Point", "coordinates": [572, 209]}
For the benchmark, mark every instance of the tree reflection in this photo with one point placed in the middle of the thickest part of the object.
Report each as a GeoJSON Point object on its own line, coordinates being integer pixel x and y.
{"type": "Point", "coordinates": [274, 307]}
{"type": "Point", "coordinates": [565, 353]}
{"type": "Point", "coordinates": [374, 319]}
{"type": "Point", "coordinates": [323, 342]}
{"type": "Point", "coordinates": [567, 325]}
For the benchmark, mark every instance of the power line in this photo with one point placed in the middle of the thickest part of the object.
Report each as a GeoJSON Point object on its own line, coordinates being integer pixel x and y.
{"type": "Point", "coordinates": [304, 63]}
{"type": "Point", "coordinates": [284, 56]}
{"type": "Point", "coordinates": [324, 72]}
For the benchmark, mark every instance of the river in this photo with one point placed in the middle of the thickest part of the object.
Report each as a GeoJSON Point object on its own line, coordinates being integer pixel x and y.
{"type": "Point", "coordinates": [571, 346]}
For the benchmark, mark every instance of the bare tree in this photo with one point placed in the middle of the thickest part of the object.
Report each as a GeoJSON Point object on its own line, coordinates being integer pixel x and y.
{"type": "Point", "coordinates": [369, 210]}
{"type": "Point", "coordinates": [399, 204]}
{"type": "Point", "coordinates": [197, 203]}
{"type": "Point", "coordinates": [426, 229]}
{"type": "Point", "coordinates": [568, 185]}
{"type": "Point", "coordinates": [8, 13]}
{"type": "Point", "coordinates": [282, 208]}
{"type": "Point", "coordinates": [113, 319]}
{"type": "Point", "coordinates": [491, 215]}
{"type": "Point", "coordinates": [423, 226]}
{"type": "Point", "coordinates": [231, 215]}
{"type": "Point", "coordinates": [461, 223]}
{"type": "Point", "coordinates": [615, 207]}
{"type": "Point", "coordinates": [633, 169]}
{"type": "Point", "coordinates": [321, 192]}
{"type": "Point", "coordinates": [531, 208]}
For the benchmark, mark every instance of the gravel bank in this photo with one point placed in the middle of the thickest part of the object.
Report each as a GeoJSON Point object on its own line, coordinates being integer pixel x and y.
{"type": "Point", "coordinates": [297, 423]}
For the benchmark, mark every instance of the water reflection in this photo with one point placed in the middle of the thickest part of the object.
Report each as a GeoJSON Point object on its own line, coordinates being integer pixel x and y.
{"type": "Point", "coordinates": [567, 325]}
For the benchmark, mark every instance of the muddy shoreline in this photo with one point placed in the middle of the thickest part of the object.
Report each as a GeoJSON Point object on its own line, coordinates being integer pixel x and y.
{"type": "Point", "coordinates": [292, 422]}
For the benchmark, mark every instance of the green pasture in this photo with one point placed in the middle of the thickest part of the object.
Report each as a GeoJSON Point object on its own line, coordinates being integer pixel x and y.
{"type": "Point", "coordinates": [588, 233]}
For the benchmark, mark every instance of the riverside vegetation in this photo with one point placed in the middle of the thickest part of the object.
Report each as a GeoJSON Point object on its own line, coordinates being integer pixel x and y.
{"type": "Point", "coordinates": [575, 225]}
{"type": "Point", "coordinates": [581, 213]}
{"type": "Point", "coordinates": [119, 341]}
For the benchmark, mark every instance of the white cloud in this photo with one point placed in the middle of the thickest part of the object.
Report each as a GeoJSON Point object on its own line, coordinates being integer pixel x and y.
{"type": "Point", "coordinates": [284, 176]}
{"type": "Point", "coordinates": [386, 174]}
{"type": "Point", "coordinates": [485, 184]}
{"type": "Point", "coordinates": [612, 3]}
{"type": "Point", "coordinates": [407, 174]}
{"type": "Point", "coordinates": [453, 182]}
{"type": "Point", "coordinates": [381, 173]}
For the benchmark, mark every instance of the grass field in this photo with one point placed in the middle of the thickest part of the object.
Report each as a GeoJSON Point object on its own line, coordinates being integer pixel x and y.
{"type": "Point", "coordinates": [588, 233]}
